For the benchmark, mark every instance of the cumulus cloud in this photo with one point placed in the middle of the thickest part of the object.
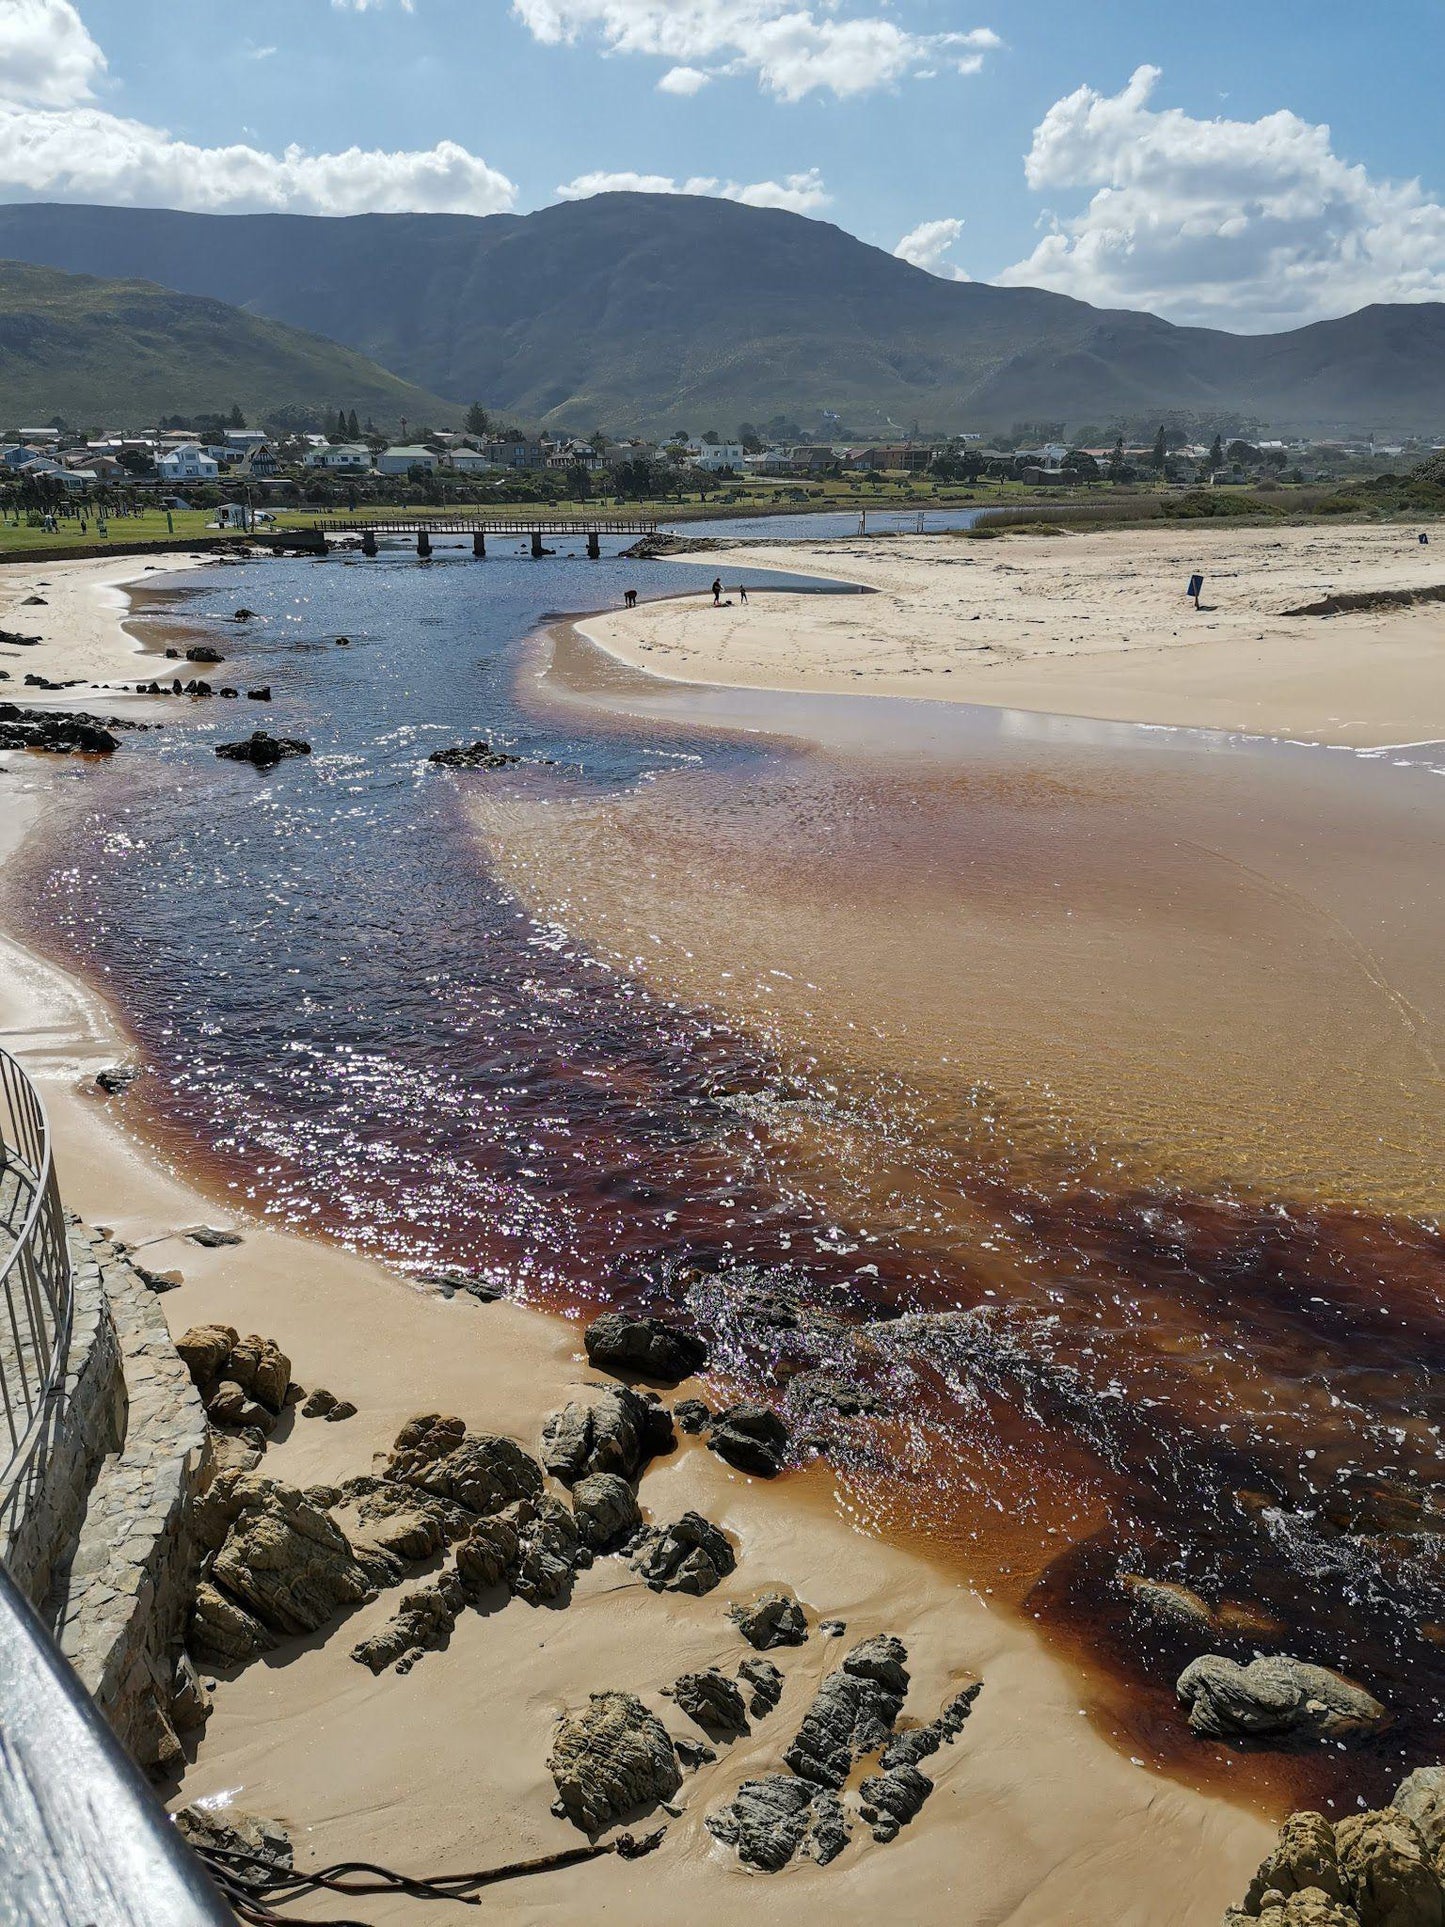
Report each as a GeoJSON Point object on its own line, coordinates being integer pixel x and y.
{"type": "Point", "coordinates": [47, 58]}
{"type": "Point", "coordinates": [926, 246]}
{"type": "Point", "coordinates": [683, 80]}
{"type": "Point", "coordinates": [791, 49]}
{"type": "Point", "coordinates": [797, 193]}
{"type": "Point", "coordinates": [1249, 225]}
{"type": "Point", "coordinates": [55, 144]}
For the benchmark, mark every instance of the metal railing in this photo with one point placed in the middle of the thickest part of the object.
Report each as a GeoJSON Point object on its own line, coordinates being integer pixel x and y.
{"type": "Point", "coordinates": [36, 1299]}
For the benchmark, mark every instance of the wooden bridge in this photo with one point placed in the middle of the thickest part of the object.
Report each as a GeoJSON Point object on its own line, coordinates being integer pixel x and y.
{"type": "Point", "coordinates": [424, 527]}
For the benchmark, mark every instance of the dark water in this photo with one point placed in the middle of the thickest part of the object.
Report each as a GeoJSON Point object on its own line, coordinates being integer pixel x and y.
{"type": "Point", "coordinates": [366, 1034]}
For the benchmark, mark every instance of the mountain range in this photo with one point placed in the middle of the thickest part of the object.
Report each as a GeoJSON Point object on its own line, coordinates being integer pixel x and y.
{"type": "Point", "coordinates": [96, 351]}
{"type": "Point", "coordinates": [653, 312]}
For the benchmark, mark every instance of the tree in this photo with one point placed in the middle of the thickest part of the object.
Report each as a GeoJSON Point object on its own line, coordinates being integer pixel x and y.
{"type": "Point", "coordinates": [353, 427]}
{"type": "Point", "coordinates": [1117, 465]}
{"type": "Point", "coordinates": [235, 419]}
{"type": "Point", "coordinates": [1216, 454]}
{"type": "Point", "coordinates": [478, 420]}
{"type": "Point", "coordinates": [1081, 464]}
{"type": "Point", "coordinates": [1160, 452]}
{"type": "Point", "coordinates": [712, 438]}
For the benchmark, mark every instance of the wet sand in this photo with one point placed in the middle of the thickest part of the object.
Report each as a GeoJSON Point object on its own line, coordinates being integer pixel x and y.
{"type": "Point", "coordinates": [79, 623]}
{"type": "Point", "coordinates": [1085, 625]}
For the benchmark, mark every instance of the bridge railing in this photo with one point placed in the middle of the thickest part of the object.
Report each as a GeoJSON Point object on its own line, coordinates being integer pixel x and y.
{"type": "Point", "coordinates": [36, 1292]}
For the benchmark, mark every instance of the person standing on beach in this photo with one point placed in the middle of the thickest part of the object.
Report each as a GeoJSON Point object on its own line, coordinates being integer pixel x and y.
{"type": "Point", "coordinates": [742, 595]}
{"type": "Point", "coordinates": [717, 592]}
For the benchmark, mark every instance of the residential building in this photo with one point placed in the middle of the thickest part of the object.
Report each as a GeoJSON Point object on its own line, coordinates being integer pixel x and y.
{"type": "Point", "coordinates": [525, 455]}
{"type": "Point", "coordinates": [718, 455]}
{"type": "Point", "coordinates": [188, 462]}
{"type": "Point", "coordinates": [244, 438]}
{"type": "Point", "coordinates": [471, 461]}
{"type": "Point", "coordinates": [341, 458]}
{"type": "Point", "coordinates": [401, 461]}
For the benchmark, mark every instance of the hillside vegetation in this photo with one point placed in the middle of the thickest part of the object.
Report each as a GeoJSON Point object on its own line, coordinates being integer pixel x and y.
{"type": "Point", "coordinates": [125, 352]}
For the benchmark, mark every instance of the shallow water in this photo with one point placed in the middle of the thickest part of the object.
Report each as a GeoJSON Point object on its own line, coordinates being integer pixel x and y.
{"type": "Point", "coordinates": [1087, 1076]}
{"type": "Point", "coordinates": [825, 526]}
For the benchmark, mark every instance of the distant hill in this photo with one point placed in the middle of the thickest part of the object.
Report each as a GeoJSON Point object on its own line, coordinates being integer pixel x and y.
{"type": "Point", "coordinates": [121, 352]}
{"type": "Point", "coordinates": [661, 311]}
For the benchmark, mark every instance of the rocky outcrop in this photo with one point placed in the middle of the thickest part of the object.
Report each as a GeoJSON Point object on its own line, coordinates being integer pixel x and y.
{"type": "Point", "coordinates": [605, 1508]}
{"type": "Point", "coordinates": [474, 1470]}
{"type": "Point", "coordinates": [764, 1684]}
{"type": "Point", "coordinates": [853, 1714]}
{"type": "Point", "coordinates": [1421, 1798]}
{"type": "Point", "coordinates": [1274, 1697]}
{"type": "Point", "coordinates": [239, 1833]}
{"type": "Point", "coordinates": [750, 1437]}
{"type": "Point", "coordinates": [888, 1801]}
{"type": "Point", "coordinates": [646, 1346]}
{"type": "Point", "coordinates": [1376, 1869]}
{"type": "Point", "coordinates": [262, 750]}
{"type": "Point", "coordinates": [619, 1433]}
{"type": "Point", "coordinates": [771, 1820]}
{"type": "Point", "coordinates": [422, 1624]}
{"type": "Point", "coordinates": [773, 1619]}
{"type": "Point", "coordinates": [243, 1382]}
{"type": "Point", "coordinates": [610, 1760]}
{"type": "Point", "coordinates": [477, 755]}
{"type": "Point", "coordinates": [907, 1749]}
{"type": "Point", "coordinates": [691, 1555]}
{"type": "Point", "coordinates": [713, 1701]}
{"type": "Point", "coordinates": [60, 731]}
{"type": "Point", "coordinates": [1389, 1877]}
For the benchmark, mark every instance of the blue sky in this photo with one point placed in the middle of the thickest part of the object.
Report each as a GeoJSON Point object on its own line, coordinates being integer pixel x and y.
{"type": "Point", "coordinates": [1245, 165]}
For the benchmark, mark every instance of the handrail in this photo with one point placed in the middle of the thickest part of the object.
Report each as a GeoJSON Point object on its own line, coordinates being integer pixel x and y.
{"type": "Point", "coordinates": [36, 1288]}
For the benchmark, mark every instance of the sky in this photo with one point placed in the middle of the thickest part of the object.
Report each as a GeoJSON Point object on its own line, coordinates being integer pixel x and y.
{"type": "Point", "coordinates": [1251, 165]}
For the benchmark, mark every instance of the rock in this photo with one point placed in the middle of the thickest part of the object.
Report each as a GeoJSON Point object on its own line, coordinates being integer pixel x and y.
{"type": "Point", "coordinates": [713, 1700]}
{"type": "Point", "coordinates": [318, 1403]}
{"type": "Point", "coordinates": [693, 1753]}
{"type": "Point", "coordinates": [649, 1347]}
{"type": "Point", "coordinates": [285, 1562]}
{"type": "Point", "coordinates": [1308, 1909]}
{"type": "Point", "coordinates": [1169, 1605]}
{"type": "Point", "coordinates": [342, 1409]}
{"type": "Point", "coordinates": [238, 1833]}
{"type": "Point", "coordinates": [610, 1760]}
{"type": "Point", "coordinates": [832, 1628]}
{"type": "Point", "coordinates": [750, 1437]}
{"type": "Point", "coordinates": [487, 1555]}
{"type": "Point", "coordinates": [452, 1279]}
{"type": "Point", "coordinates": [190, 1698]}
{"type": "Point", "coordinates": [853, 1713]}
{"type": "Point", "coordinates": [1276, 1696]}
{"type": "Point", "coordinates": [343, 642]}
{"type": "Point", "coordinates": [1387, 1871]}
{"type": "Point", "coordinates": [549, 1551]}
{"type": "Point", "coordinates": [1303, 1857]}
{"type": "Point", "coordinates": [765, 1684]}
{"type": "Point", "coordinates": [406, 1532]}
{"type": "Point", "coordinates": [907, 1749]}
{"type": "Point", "coordinates": [202, 652]}
{"type": "Point", "coordinates": [475, 1470]}
{"type": "Point", "coordinates": [606, 1510]}
{"type": "Point", "coordinates": [243, 615]}
{"type": "Point", "coordinates": [823, 1394]}
{"type": "Point", "coordinates": [261, 750]}
{"type": "Point", "coordinates": [210, 1235]}
{"type": "Point", "coordinates": [56, 730]}
{"type": "Point", "coordinates": [770, 1820]}
{"type": "Point", "coordinates": [1421, 1798]}
{"type": "Point", "coordinates": [117, 1078]}
{"type": "Point", "coordinates": [260, 1367]}
{"type": "Point", "coordinates": [890, 1800]}
{"type": "Point", "coordinates": [224, 1632]}
{"type": "Point", "coordinates": [619, 1433]}
{"type": "Point", "coordinates": [204, 1349]}
{"type": "Point", "coordinates": [230, 1405]}
{"type": "Point", "coordinates": [773, 1619]}
{"type": "Point", "coordinates": [472, 756]}
{"type": "Point", "coordinates": [422, 1623]}
{"type": "Point", "coordinates": [158, 1281]}
{"type": "Point", "coordinates": [690, 1556]}
{"type": "Point", "coordinates": [692, 1415]}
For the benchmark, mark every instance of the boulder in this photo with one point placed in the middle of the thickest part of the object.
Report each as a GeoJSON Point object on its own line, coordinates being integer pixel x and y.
{"type": "Point", "coordinates": [203, 652]}
{"type": "Point", "coordinates": [618, 1433]}
{"type": "Point", "coordinates": [549, 1551]}
{"type": "Point", "coordinates": [117, 1078]}
{"type": "Point", "coordinates": [907, 1749]}
{"type": "Point", "coordinates": [318, 1403]}
{"type": "Point", "coordinates": [204, 1349]}
{"type": "Point", "coordinates": [692, 1415]}
{"type": "Point", "coordinates": [224, 1632]}
{"type": "Point", "coordinates": [611, 1759]}
{"type": "Point", "coordinates": [750, 1437]}
{"type": "Point", "coordinates": [57, 730]}
{"type": "Point", "coordinates": [261, 750]}
{"type": "Point", "coordinates": [239, 1833]}
{"type": "Point", "coordinates": [1272, 1697]}
{"type": "Point", "coordinates": [228, 1404]}
{"type": "Point", "coordinates": [1421, 1798]}
{"type": "Point", "coordinates": [1389, 1877]}
{"type": "Point", "coordinates": [212, 1236]}
{"type": "Point", "coordinates": [820, 1394]}
{"type": "Point", "coordinates": [1304, 1857]}
{"type": "Point", "coordinates": [773, 1619]}
{"type": "Point", "coordinates": [260, 1367]}
{"type": "Point", "coordinates": [713, 1700]}
{"type": "Point", "coordinates": [888, 1801]}
{"type": "Point", "coordinates": [477, 755]}
{"type": "Point", "coordinates": [853, 1713]}
{"type": "Point", "coordinates": [1169, 1605]}
{"type": "Point", "coordinates": [770, 1820]}
{"type": "Point", "coordinates": [284, 1561]}
{"type": "Point", "coordinates": [690, 1556]}
{"type": "Point", "coordinates": [605, 1508]}
{"type": "Point", "coordinates": [764, 1683]}
{"type": "Point", "coordinates": [422, 1623]}
{"type": "Point", "coordinates": [482, 1473]}
{"type": "Point", "coordinates": [488, 1554]}
{"type": "Point", "coordinates": [617, 1342]}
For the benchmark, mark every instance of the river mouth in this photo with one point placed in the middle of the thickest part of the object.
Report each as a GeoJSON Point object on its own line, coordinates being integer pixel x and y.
{"type": "Point", "coordinates": [1078, 1091]}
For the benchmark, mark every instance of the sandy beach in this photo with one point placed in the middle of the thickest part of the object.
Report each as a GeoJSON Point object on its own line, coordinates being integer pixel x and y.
{"type": "Point", "coordinates": [1037, 1817]}
{"type": "Point", "coordinates": [1085, 625]}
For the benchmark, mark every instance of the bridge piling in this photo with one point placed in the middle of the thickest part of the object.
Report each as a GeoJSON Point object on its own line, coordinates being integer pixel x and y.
{"type": "Point", "coordinates": [594, 545]}
{"type": "Point", "coordinates": [423, 546]}
{"type": "Point", "coordinates": [479, 544]}
{"type": "Point", "coordinates": [536, 545]}
{"type": "Point", "coordinates": [368, 542]}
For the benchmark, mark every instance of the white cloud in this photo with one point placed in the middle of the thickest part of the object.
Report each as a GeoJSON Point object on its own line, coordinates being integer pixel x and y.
{"type": "Point", "coordinates": [797, 193]}
{"type": "Point", "coordinates": [370, 6]}
{"type": "Point", "coordinates": [793, 49]}
{"type": "Point", "coordinates": [55, 144]}
{"type": "Point", "coordinates": [1249, 225]}
{"type": "Point", "coordinates": [47, 58]}
{"type": "Point", "coordinates": [926, 246]}
{"type": "Point", "coordinates": [683, 80]}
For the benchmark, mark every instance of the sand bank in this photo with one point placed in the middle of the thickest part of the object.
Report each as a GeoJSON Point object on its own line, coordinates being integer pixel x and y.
{"type": "Point", "coordinates": [1036, 1818]}
{"type": "Point", "coordinates": [78, 620]}
{"type": "Point", "coordinates": [1085, 625]}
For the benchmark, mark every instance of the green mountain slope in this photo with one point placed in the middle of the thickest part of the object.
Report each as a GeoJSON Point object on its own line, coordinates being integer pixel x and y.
{"type": "Point", "coordinates": [124, 352]}
{"type": "Point", "coordinates": [660, 311]}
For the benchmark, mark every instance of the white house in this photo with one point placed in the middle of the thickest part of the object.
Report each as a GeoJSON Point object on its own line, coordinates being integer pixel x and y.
{"type": "Point", "coordinates": [244, 438]}
{"type": "Point", "coordinates": [341, 458]}
{"type": "Point", "coordinates": [400, 461]}
{"type": "Point", "coordinates": [471, 461]}
{"type": "Point", "coordinates": [716, 455]}
{"type": "Point", "coordinates": [187, 463]}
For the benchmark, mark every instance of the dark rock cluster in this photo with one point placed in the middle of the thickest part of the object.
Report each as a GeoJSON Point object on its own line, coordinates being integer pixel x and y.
{"type": "Point", "coordinates": [61, 731]}
{"type": "Point", "coordinates": [477, 755]}
{"type": "Point", "coordinates": [263, 751]}
{"type": "Point", "coordinates": [648, 1347]}
{"type": "Point", "coordinates": [1275, 1697]}
{"type": "Point", "coordinates": [243, 1382]}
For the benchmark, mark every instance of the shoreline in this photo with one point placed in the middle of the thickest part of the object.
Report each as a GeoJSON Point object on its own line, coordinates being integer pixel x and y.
{"type": "Point", "coordinates": [1093, 626]}
{"type": "Point", "coordinates": [1035, 1809]}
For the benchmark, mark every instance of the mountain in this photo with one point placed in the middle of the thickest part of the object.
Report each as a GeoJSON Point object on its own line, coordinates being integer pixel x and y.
{"type": "Point", "coordinates": [97, 351]}
{"type": "Point", "coordinates": [661, 311]}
